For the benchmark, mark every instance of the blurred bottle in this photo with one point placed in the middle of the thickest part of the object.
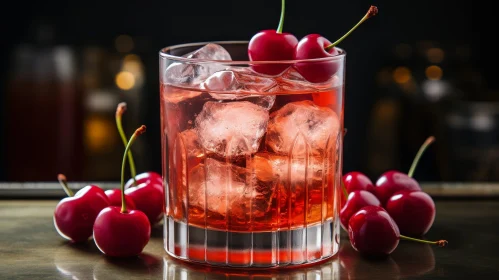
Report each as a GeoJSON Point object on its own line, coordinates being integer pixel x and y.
{"type": "Point", "coordinates": [102, 144]}
{"type": "Point", "coordinates": [44, 113]}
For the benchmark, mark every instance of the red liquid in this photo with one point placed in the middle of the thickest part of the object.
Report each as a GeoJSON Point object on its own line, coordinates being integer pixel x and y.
{"type": "Point", "coordinates": [262, 190]}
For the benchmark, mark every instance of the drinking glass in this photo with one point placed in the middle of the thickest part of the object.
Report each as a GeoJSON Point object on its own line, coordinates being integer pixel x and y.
{"type": "Point", "coordinates": [252, 163]}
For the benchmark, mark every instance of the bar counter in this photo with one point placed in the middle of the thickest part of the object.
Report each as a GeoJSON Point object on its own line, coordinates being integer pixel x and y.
{"type": "Point", "coordinates": [30, 248]}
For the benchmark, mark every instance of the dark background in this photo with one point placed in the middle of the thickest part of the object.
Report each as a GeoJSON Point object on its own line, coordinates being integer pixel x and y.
{"type": "Point", "coordinates": [392, 103]}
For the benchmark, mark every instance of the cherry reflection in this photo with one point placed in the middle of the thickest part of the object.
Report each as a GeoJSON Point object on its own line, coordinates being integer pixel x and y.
{"type": "Point", "coordinates": [125, 268]}
{"type": "Point", "coordinates": [408, 260]}
{"type": "Point", "coordinates": [414, 258]}
{"type": "Point", "coordinates": [356, 266]}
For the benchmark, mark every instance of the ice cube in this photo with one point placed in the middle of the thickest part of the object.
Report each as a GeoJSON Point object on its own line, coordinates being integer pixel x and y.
{"type": "Point", "coordinates": [302, 127]}
{"type": "Point", "coordinates": [241, 83]}
{"type": "Point", "coordinates": [294, 171]}
{"type": "Point", "coordinates": [192, 75]}
{"type": "Point", "coordinates": [224, 188]}
{"type": "Point", "coordinates": [238, 80]}
{"type": "Point", "coordinates": [292, 80]}
{"type": "Point", "coordinates": [231, 129]}
{"type": "Point", "coordinates": [301, 184]}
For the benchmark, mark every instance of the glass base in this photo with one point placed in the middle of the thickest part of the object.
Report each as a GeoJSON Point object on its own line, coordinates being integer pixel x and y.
{"type": "Point", "coordinates": [276, 249]}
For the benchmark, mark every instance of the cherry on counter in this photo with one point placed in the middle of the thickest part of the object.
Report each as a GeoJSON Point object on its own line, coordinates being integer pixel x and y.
{"type": "Point", "coordinates": [74, 215]}
{"type": "Point", "coordinates": [122, 232]}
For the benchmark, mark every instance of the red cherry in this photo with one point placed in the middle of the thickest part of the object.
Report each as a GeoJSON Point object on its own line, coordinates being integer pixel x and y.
{"type": "Point", "coordinates": [357, 181]}
{"type": "Point", "coordinates": [393, 181]}
{"type": "Point", "coordinates": [122, 232]}
{"type": "Point", "coordinates": [148, 195]}
{"type": "Point", "coordinates": [373, 232]}
{"type": "Point", "coordinates": [114, 197]}
{"type": "Point", "coordinates": [74, 216]}
{"type": "Point", "coordinates": [413, 211]}
{"type": "Point", "coordinates": [148, 198]}
{"type": "Point", "coordinates": [272, 45]}
{"type": "Point", "coordinates": [314, 46]}
{"type": "Point", "coordinates": [353, 181]}
{"type": "Point", "coordinates": [356, 200]}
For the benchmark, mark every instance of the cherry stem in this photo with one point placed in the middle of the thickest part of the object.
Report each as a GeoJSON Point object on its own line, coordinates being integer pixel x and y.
{"type": "Point", "coordinates": [373, 10]}
{"type": "Point", "coordinates": [281, 20]}
{"type": "Point", "coordinates": [120, 110]}
{"type": "Point", "coordinates": [64, 183]}
{"type": "Point", "coordinates": [423, 148]}
{"type": "Point", "coordinates": [440, 243]}
{"type": "Point", "coordinates": [137, 132]}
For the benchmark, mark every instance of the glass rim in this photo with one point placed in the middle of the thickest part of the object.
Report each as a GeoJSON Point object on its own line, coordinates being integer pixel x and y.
{"type": "Point", "coordinates": [163, 54]}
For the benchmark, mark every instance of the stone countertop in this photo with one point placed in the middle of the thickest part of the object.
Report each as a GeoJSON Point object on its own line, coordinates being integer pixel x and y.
{"type": "Point", "coordinates": [30, 248]}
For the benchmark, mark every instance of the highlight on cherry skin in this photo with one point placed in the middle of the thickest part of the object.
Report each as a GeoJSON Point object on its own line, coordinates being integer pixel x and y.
{"type": "Point", "coordinates": [74, 215]}
{"type": "Point", "coordinates": [121, 232]}
{"type": "Point", "coordinates": [145, 177]}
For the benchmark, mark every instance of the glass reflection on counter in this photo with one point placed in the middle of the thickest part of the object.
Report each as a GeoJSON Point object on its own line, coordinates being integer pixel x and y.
{"type": "Point", "coordinates": [176, 270]}
{"type": "Point", "coordinates": [85, 261]}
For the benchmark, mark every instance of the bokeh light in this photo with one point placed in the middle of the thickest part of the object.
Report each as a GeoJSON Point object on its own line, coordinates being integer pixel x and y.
{"type": "Point", "coordinates": [434, 72]}
{"type": "Point", "coordinates": [125, 80]}
{"type": "Point", "coordinates": [97, 134]}
{"type": "Point", "coordinates": [401, 75]}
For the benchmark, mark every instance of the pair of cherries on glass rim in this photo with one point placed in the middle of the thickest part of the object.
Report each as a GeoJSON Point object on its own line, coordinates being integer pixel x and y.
{"type": "Point", "coordinates": [376, 216]}
{"type": "Point", "coordinates": [274, 45]}
{"type": "Point", "coordinates": [91, 211]}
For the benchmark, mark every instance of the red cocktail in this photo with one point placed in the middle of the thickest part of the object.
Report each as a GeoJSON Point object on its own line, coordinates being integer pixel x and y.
{"type": "Point", "coordinates": [252, 162]}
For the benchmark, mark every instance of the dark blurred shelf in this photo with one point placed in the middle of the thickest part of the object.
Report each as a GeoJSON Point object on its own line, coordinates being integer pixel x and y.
{"type": "Point", "coordinates": [45, 189]}
{"type": "Point", "coordinates": [461, 189]}
{"type": "Point", "coordinates": [52, 189]}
